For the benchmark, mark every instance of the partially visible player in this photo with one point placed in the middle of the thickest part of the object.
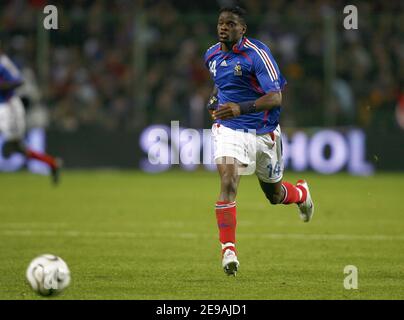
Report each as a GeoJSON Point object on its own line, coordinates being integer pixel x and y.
{"type": "Point", "coordinates": [12, 118]}
{"type": "Point", "coordinates": [246, 105]}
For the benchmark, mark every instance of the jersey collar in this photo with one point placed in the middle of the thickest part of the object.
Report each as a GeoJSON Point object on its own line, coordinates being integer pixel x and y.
{"type": "Point", "coordinates": [237, 47]}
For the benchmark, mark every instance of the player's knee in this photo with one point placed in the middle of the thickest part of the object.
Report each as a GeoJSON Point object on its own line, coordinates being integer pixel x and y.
{"type": "Point", "coordinates": [274, 198]}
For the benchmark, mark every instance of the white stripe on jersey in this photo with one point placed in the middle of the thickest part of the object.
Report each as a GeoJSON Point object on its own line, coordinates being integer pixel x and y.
{"type": "Point", "coordinates": [9, 65]}
{"type": "Point", "coordinates": [265, 58]}
{"type": "Point", "coordinates": [213, 46]}
{"type": "Point", "coordinates": [268, 60]}
{"type": "Point", "coordinates": [265, 64]}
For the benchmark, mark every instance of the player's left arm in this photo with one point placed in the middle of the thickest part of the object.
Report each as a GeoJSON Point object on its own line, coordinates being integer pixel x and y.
{"type": "Point", "coordinates": [232, 109]}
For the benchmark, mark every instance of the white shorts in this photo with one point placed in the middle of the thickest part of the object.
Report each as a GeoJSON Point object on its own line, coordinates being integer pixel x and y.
{"type": "Point", "coordinates": [260, 154]}
{"type": "Point", "coordinates": [12, 119]}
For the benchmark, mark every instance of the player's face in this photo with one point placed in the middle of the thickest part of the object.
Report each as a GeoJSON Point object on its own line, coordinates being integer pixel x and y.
{"type": "Point", "coordinates": [229, 27]}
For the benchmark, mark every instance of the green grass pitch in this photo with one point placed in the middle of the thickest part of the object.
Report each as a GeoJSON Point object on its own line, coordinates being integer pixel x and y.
{"type": "Point", "coordinates": [131, 235]}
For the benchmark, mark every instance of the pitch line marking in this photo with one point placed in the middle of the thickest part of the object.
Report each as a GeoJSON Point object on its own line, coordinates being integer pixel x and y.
{"type": "Point", "coordinates": [274, 236]}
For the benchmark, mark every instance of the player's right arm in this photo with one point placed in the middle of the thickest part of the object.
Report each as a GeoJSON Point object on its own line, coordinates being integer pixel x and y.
{"type": "Point", "coordinates": [213, 101]}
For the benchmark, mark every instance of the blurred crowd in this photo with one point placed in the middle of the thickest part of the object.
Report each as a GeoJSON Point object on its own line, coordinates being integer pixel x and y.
{"type": "Point", "coordinates": [124, 64]}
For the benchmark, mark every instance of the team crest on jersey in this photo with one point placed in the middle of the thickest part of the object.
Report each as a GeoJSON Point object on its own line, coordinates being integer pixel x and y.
{"type": "Point", "coordinates": [237, 70]}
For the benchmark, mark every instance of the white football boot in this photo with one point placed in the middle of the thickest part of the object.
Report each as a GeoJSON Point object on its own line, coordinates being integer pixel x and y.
{"type": "Point", "coordinates": [230, 263]}
{"type": "Point", "coordinates": [306, 208]}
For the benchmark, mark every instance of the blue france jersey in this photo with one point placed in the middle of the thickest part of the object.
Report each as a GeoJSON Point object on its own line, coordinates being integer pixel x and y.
{"type": "Point", "coordinates": [8, 72]}
{"type": "Point", "coordinates": [243, 74]}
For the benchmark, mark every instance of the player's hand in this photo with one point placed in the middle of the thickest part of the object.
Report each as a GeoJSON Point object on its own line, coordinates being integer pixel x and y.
{"type": "Point", "coordinates": [211, 114]}
{"type": "Point", "coordinates": [226, 111]}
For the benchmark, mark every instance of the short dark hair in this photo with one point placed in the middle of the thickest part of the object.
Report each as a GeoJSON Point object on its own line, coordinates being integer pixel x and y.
{"type": "Point", "coordinates": [240, 12]}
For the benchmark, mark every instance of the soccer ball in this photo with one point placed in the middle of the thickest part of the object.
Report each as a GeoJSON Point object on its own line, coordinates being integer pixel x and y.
{"type": "Point", "coordinates": [48, 274]}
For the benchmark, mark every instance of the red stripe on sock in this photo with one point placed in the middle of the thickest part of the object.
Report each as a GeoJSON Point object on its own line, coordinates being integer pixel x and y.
{"type": "Point", "coordinates": [228, 247]}
{"type": "Point", "coordinates": [226, 221]}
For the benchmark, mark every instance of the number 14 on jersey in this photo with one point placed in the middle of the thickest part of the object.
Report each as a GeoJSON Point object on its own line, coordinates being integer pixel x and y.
{"type": "Point", "coordinates": [212, 67]}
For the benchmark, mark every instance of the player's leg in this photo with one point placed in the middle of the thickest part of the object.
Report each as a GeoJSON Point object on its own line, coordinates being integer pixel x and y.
{"type": "Point", "coordinates": [226, 212]}
{"type": "Point", "coordinates": [229, 178]}
{"type": "Point", "coordinates": [16, 146]}
{"type": "Point", "coordinates": [270, 174]}
{"type": "Point", "coordinates": [54, 163]}
{"type": "Point", "coordinates": [231, 153]}
{"type": "Point", "coordinates": [12, 126]}
{"type": "Point", "coordinates": [14, 132]}
{"type": "Point", "coordinates": [283, 192]}
{"type": "Point", "coordinates": [273, 191]}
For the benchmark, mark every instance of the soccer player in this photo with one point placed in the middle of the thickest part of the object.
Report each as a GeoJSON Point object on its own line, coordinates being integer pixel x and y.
{"type": "Point", "coordinates": [12, 118]}
{"type": "Point", "coordinates": [246, 105]}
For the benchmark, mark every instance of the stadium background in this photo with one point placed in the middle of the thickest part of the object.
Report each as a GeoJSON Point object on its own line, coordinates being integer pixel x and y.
{"type": "Point", "coordinates": [115, 67]}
